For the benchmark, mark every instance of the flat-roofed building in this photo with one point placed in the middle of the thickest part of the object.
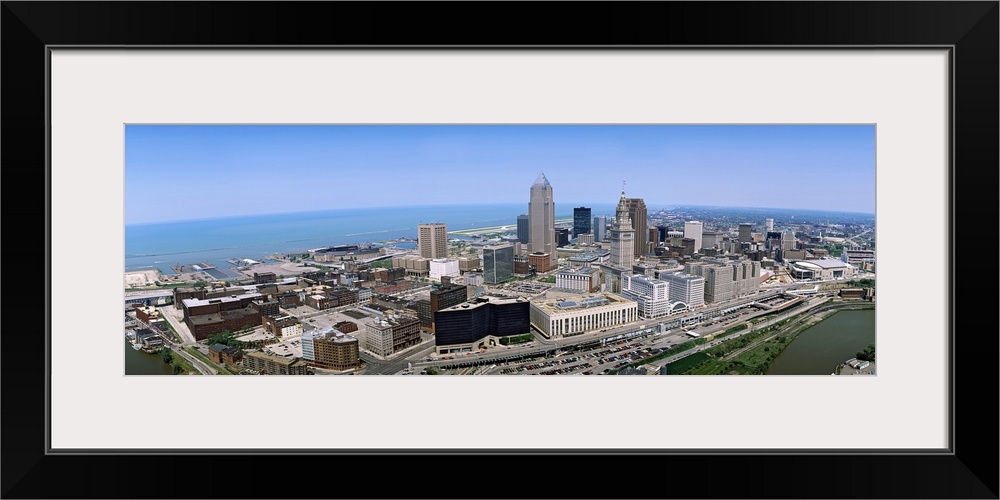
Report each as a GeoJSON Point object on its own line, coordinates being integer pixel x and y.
{"type": "Point", "coordinates": [146, 314]}
{"type": "Point", "coordinates": [686, 288]}
{"type": "Point", "coordinates": [266, 363]}
{"type": "Point", "coordinates": [469, 263]}
{"type": "Point", "coordinates": [651, 295]}
{"type": "Point", "coordinates": [224, 354]}
{"type": "Point", "coordinates": [857, 255]}
{"type": "Point", "coordinates": [444, 267]}
{"type": "Point", "coordinates": [583, 280]}
{"type": "Point", "coordinates": [390, 334]}
{"type": "Point", "coordinates": [206, 317]}
{"type": "Point", "coordinates": [600, 228]}
{"type": "Point", "coordinates": [181, 293]}
{"type": "Point", "coordinates": [267, 277]}
{"type": "Point", "coordinates": [726, 279]}
{"type": "Point", "coordinates": [695, 230]}
{"type": "Point", "coordinates": [444, 297]}
{"type": "Point", "coordinates": [432, 240]}
{"type": "Point", "coordinates": [498, 263]}
{"type": "Point", "coordinates": [462, 327]}
{"type": "Point", "coordinates": [556, 318]}
{"type": "Point", "coordinates": [266, 307]}
{"type": "Point", "coordinates": [331, 349]}
{"type": "Point", "coordinates": [581, 221]}
{"type": "Point", "coordinates": [282, 325]}
{"type": "Point", "coordinates": [585, 239]}
{"type": "Point", "coordinates": [542, 262]}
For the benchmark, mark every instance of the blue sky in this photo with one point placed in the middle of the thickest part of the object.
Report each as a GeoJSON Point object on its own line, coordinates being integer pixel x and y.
{"type": "Point", "coordinates": [221, 170]}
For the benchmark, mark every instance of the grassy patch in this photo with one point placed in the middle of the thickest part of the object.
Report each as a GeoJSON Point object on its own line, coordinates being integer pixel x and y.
{"type": "Point", "coordinates": [687, 363]}
{"type": "Point", "coordinates": [186, 365]}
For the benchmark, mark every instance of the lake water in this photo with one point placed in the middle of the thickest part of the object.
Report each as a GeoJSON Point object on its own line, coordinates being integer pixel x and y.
{"type": "Point", "coordinates": [818, 350]}
{"type": "Point", "coordinates": [166, 244]}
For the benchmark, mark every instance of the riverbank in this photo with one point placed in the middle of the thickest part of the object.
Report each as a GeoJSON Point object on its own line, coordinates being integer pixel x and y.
{"type": "Point", "coordinates": [753, 353]}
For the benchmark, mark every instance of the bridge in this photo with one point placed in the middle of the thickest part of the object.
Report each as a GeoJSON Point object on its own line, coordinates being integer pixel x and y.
{"type": "Point", "coordinates": [153, 296]}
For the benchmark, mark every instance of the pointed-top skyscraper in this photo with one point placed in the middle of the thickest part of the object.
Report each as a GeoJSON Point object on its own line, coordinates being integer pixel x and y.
{"type": "Point", "coordinates": [542, 219]}
{"type": "Point", "coordinates": [622, 235]}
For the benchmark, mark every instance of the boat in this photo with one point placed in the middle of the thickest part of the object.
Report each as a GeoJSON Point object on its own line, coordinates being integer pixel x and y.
{"type": "Point", "coordinates": [137, 346]}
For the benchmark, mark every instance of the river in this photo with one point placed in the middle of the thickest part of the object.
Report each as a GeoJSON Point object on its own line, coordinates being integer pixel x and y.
{"type": "Point", "coordinates": [140, 363]}
{"type": "Point", "coordinates": [818, 350]}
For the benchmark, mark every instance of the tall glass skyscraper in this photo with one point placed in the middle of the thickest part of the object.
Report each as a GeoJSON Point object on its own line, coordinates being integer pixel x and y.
{"type": "Point", "coordinates": [523, 225]}
{"type": "Point", "coordinates": [581, 221]}
{"type": "Point", "coordinates": [542, 219]}
{"type": "Point", "coordinates": [600, 228]}
{"type": "Point", "coordinates": [498, 263]}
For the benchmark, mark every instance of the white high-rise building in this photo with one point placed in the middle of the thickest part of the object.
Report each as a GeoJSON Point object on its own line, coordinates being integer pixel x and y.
{"type": "Point", "coordinates": [769, 224]}
{"type": "Point", "coordinates": [693, 230]}
{"type": "Point", "coordinates": [622, 235]}
{"type": "Point", "coordinates": [686, 288]}
{"type": "Point", "coordinates": [542, 219]}
{"type": "Point", "coordinates": [651, 295]}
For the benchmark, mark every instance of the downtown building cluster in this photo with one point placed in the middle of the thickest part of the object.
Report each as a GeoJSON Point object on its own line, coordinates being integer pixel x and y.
{"type": "Point", "coordinates": [540, 277]}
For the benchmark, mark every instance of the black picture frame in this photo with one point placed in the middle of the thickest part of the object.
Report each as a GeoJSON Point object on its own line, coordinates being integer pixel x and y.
{"type": "Point", "coordinates": [970, 28]}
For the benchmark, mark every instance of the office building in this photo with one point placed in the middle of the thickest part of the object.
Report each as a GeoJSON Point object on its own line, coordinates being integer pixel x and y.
{"type": "Point", "coordinates": [600, 228]}
{"type": "Point", "coordinates": [788, 240]}
{"type": "Point", "coordinates": [857, 255]}
{"type": "Point", "coordinates": [653, 241]}
{"type": "Point", "coordinates": [622, 235]}
{"type": "Point", "coordinates": [498, 263]}
{"type": "Point", "coordinates": [585, 239]}
{"type": "Point", "coordinates": [444, 297]}
{"type": "Point", "coordinates": [726, 279]}
{"type": "Point", "coordinates": [556, 318]}
{"type": "Point", "coordinates": [266, 363]}
{"type": "Point", "coordinates": [695, 231]}
{"type": "Point", "coordinates": [440, 268]}
{"type": "Point", "coordinates": [650, 295]}
{"type": "Point", "coordinates": [583, 280]}
{"type": "Point", "coordinates": [542, 220]}
{"type": "Point", "coordinates": [562, 237]}
{"type": "Point", "coordinates": [768, 224]}
{"type": "Point", "coordinates": [432, 240]}
{"type": "Point", "coordinates": [746, 234]}
{"type": "Point", "coordinates": [391, 334]}
{"type": "Point", "coordinates": [581, 220]}
{"type": "Point", "coordinates": [523, 228]}
{"type": "Point", "coordinates": [464, 327]}
{"type": "Point", "coordinates": [637, 214]}
{"type": "Point", "coordinates": [686, 288]}
{"type": "Point", "coordinates": [331, 349]}
{"type": "Point", "coordinates": [541, 262]}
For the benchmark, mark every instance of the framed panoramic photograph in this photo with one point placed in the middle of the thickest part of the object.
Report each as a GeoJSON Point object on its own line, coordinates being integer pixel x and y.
{"type": "Point", "coordinates": [258, 244]}
{"type": "Point", "coordinates": [446, 276]}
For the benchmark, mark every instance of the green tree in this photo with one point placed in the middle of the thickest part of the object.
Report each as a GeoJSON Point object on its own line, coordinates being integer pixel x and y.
{"type": "Point", "coordinates": [178, 369]}
{"type": "Point", "coordinates": [868, 354]}
{"type": "Point", "coordinates": [166, 355]}
{"type": "Point", "coordinates": [200, 283]}
{"type": "Point", "coordinates": [432, 370]}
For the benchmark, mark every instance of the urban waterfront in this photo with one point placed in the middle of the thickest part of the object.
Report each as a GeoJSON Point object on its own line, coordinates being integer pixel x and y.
{"type": "Point", "coordinates": [818, 350]}
{"type": "Point", "coordinates": [140, 363]}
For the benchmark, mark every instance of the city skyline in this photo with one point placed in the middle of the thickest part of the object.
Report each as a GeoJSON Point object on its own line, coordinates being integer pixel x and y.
{"type": "Point", "coordinates": [770, 166]}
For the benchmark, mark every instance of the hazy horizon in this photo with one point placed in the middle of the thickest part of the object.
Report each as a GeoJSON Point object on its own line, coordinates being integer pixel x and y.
{"type": "Point", "coordinates": [194, 172]}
